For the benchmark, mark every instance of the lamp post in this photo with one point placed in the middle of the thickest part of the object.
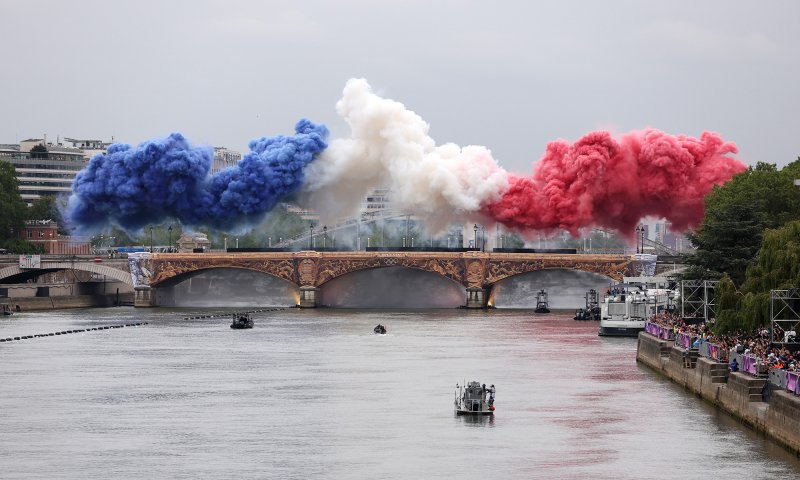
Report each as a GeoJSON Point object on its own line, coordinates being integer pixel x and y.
{"type": "Point", "coordinates": [642, 238]}
{"type": "Point", "coordinates": [169, 231]}
{"type": "Point", "coordinates": [475, 229]}
{"type": "Point", "coordinates": [151, 239]}
{"type": "Point", "coordinates": [237, 242]}
{"type": "Point", "coordinates": [639, 235]}
{"type": "Point", "coordinates": [325, 236]}
{"type": "Point", "coordinates": [311, 238]}
{"type": "Point", "coordinates": [269, 242]}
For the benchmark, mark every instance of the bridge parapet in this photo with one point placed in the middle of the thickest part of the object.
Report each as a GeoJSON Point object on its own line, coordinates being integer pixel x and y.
{"type": "Point", "coordinates": [471, 269]}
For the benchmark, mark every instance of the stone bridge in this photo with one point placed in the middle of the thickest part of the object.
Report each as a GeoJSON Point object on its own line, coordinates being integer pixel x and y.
{"type": "Point", "coordinates": [308, 270]}
{"type": "Point", "coordinates": [117, 269]}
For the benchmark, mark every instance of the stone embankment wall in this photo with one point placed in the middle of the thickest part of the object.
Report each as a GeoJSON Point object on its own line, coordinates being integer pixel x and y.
{"type": "Point", "coordinates": [739, 394]}
{"type": "Point", "coordinates": [27, 304]}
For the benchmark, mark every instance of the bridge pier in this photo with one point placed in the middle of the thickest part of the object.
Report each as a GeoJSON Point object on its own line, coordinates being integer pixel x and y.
{"type": "Point", "coordinates": [308, 297]}
{"type": "Point", "coordinates": [144, 296]}
{"type": "Point", "coordinates": [476, 297]}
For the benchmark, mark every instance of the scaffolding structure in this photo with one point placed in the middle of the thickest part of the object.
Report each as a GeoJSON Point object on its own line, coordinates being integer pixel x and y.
{"type": "Point", "coordinates": [698, 299]}
{"type": "Point", "coordinates": [784, 313]}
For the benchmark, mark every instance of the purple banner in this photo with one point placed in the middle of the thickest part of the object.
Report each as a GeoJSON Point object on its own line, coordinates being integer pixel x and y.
{"type": "Point", "coordinates": [657, 330]}
{"type": "Point", "coordinates": [684, 340]}
{"type": "Point", "coordinates": [793, 382]}
{"type": "Point", "coordinates": [717, 353]}
{"type": "Point", "coordinates": [749, 365]}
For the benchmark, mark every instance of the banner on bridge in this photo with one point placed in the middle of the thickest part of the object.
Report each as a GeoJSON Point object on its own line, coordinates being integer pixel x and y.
{"type": "Point", "coordinates": [30, 261]}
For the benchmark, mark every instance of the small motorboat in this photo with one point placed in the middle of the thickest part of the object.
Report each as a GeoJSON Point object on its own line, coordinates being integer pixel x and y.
{"type": "Point", "coordinates": [580, 314]}
{"type": "Point", "coordinates": [379, 329]}
{"type": "Point", "coordinates": [542, 305]}
{"type": "Point", "coordinates": [242, 320]}
{"type": "Point", "coordinates": [474, 399]}
{"type": "Point", "coordinates": [5, 309]}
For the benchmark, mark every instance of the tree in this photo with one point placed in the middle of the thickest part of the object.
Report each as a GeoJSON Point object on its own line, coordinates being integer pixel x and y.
{"type": "Point", "coordinates": [736, 215]}
{"type": "Point", "coordinates": [12, 207]}
{"type": "Point", "coordinates": [39, 151]}
{"type": "Point", "coordinates": [776, 267]}
{"type": "Point", "coordinates": [47, 207]}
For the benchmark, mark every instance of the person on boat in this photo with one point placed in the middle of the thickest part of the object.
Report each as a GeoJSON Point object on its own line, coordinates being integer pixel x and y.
{"type": "Point", "coordinates": [491, 395]}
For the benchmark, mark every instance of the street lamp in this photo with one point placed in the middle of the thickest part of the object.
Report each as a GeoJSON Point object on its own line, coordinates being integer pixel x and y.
{"type": "Point", "coordinates": [642, 238]}
{"type": "Point", "coordinates": [324, 236]}
{"type": "Point", "coordinates": [169, 231]}
{"type": "Point", "coordinates": [475, 229]}
{"type": "Point", "coordinates": [151, 239]}
{"type": "Point", "coordinates": [639, 236]}
{"type": "Point", "coordinates": [269, 242]}
{"type": "Point", "coordinates": [311, 238]}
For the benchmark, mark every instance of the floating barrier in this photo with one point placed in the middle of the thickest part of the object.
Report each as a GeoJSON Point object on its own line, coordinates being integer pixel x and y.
{"type": "Point", "coordinates": [66, 332]}
{"type": "Point", "coordinates": [233, 313]}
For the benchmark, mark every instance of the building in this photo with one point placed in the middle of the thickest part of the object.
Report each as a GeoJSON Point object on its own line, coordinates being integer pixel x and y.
{"type": "Point", "coordinates": [43, 173]}
{"type": "Point", "coordinates": [224, 158]}
{"type": "Point", "coordinates": [45, 234]}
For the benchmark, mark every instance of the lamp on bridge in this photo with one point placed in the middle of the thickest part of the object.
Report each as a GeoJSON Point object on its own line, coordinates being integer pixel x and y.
{"type": "Point", "coordinates": [311, 238]}
{"type": "Point", "coordinates": [639, 239]}
{"type": "Point", "coordinates": [475, 229]}
{"type": "Point", "coordinates": [169, 244]}
{"type": "Point", "coordinates": [324, 236]}
{"type": "Point", "coordinates": [151, 239]}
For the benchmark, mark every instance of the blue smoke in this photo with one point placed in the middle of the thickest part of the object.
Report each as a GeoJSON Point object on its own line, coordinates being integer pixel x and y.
{"type": "Point", "coordinates": [168, 178]}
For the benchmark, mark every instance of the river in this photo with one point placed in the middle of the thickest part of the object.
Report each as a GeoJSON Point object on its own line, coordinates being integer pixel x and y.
{"type": "Point", "coordinates": [315, 394]}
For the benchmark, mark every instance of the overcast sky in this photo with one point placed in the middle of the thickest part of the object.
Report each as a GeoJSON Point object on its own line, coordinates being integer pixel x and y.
{"type": "Point", "coordinates": [508, 75]}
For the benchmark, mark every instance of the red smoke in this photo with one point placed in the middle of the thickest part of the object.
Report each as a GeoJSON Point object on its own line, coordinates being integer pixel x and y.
{"type": "Point", "coordinates": [613, 183]}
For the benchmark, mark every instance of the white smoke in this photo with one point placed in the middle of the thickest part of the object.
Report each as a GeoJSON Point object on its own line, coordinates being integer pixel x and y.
{"type": "Point", "coordinates": [389, 147]}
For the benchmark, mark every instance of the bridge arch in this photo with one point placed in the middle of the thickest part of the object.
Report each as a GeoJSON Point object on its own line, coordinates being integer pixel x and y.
{"type": "Point", "coordinates": [391, 287]}
{"type": "Point", "coordinates": [566, 288]}
{"type": "Point", "coordinates": [46, 267]}
{"type": "Point", "coordinates": [226, 286]}
{"type": "Point", "coordinates": [181, 277]}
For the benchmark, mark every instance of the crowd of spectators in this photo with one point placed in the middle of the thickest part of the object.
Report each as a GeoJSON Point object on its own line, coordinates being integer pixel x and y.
{"type": "Point", "coordinates": [756, 343]}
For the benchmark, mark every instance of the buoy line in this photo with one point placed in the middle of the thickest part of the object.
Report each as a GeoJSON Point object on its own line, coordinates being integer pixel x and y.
{"type": "Point", "coordinates": [228, 315]}
{"type": "Point", "coordinates": [66, 332]}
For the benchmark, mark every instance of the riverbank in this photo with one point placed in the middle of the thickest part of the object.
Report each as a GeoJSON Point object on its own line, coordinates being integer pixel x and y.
{"type": "Point", "coordinates": [740, 394]}
{"type": "Point", "coordinates": [28, 304]}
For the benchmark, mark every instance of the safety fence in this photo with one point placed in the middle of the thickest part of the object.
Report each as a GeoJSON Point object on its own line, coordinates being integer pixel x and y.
{"type": "Point", "coordinates": [684, 340]}
{"type": "Point", "coordinates": [750, 364]}
{"type": "Point", "coordinates": [658, 331]}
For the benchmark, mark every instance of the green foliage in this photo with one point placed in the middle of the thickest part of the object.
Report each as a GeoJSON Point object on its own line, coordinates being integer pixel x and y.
{"type": "Point", "coordinates": [12, 207]}
{"type": "Point", "coordinates": [22, 246]}
{"type": "Point", "coordinates": [48, 207]}
{"type": "Point", "coordinates": [776, 267]}
{"type": "Point", "coordinates": [736, 215]}
{"type": "Point", "coordinates": [39, 151]}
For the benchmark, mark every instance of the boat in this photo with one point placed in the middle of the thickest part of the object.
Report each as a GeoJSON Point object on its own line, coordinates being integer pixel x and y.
{"type": "Point", "coordinates": [542, 306]}
{"type": "Point", "coordinates": [474, 399]}
{"type": "Point", "coordinates": [593, 310]}
{"type": "Point", "coordinates": [628, 305]}
{"type": "Point", "coordinates": [5, 309]}
{"type": "Point", "coordinates": [379, 329]}
{"type": "Point", "coordinates": [581, 314]}
{"type": "Point", "coordinates": [242, 320]}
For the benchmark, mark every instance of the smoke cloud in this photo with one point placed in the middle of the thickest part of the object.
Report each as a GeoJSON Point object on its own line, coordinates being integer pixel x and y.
{"type": "Point", "coordinates": [597, 181]}
{"type": "Point", "coordinates": [389, 147]}
{"type": "Point", "coordinates": [168, 178]}
{"type": "Point", "coordinates": [600, 181]}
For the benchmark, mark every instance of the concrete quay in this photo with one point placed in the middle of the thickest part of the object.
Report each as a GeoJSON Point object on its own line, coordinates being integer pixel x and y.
{"type": "Point", "coordinates": [737, 393]}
